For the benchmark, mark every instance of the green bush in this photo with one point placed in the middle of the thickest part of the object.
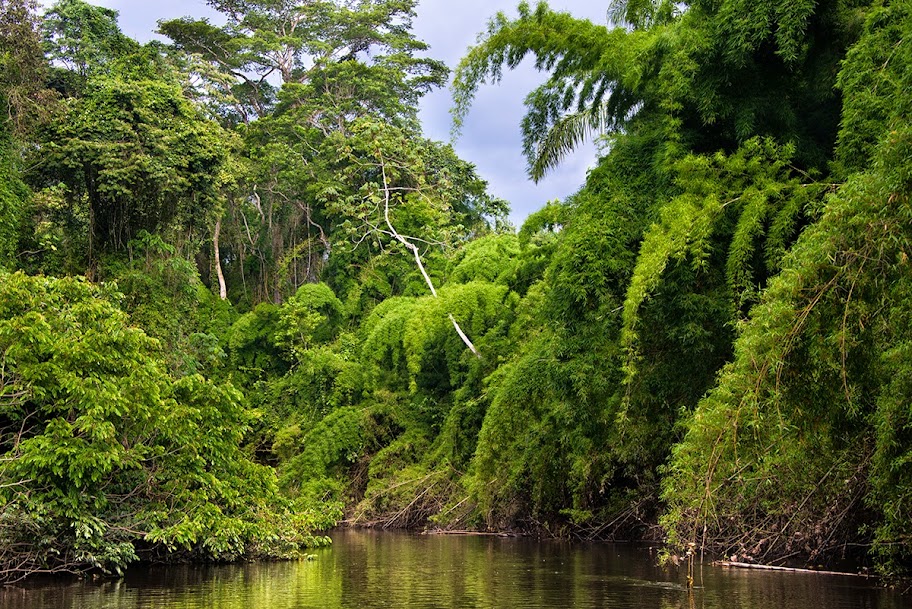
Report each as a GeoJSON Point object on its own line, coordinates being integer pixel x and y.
{"type": "Point", "coordinates": [104, 454]}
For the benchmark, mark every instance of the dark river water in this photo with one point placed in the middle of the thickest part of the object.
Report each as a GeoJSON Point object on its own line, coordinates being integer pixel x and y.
{"type": "Point", "coordinates": [365, 569]}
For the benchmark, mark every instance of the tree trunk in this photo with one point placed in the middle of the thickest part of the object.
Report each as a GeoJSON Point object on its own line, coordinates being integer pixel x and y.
{"type": "Point", "coordinates": [223, 289]}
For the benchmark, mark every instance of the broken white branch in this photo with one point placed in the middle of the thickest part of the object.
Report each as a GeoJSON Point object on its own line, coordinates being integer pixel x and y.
{"type": "Point", "coordinates": [414, 249]}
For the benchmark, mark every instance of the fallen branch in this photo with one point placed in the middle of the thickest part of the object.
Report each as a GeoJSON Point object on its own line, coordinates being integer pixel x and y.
{"type": "Point", "coordinates": [747, 565]}
{"type": "Point", "coordinates": [468, 533]}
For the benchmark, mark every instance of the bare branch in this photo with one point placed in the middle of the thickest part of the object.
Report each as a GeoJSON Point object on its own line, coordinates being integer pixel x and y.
{"type": "Point", "coordinates": [414, 249]}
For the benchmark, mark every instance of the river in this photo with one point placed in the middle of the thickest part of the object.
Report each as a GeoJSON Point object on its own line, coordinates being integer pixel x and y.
{"type": "Point", "coordinates": [366, 569]}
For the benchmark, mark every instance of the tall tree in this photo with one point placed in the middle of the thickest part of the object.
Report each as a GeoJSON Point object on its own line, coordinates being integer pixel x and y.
{"type": "Point", "coordinates": [307, 71]}
{"type": "Point", "coordinates": [138, 155]}
{"type": "Point", "coordinates": [85, 39]}
{"type": "Point", "coordinates": [287, 41]}
{"type": "Point", "coordinates": [27, 104]}
{"type": "Point", "coordinates": [23, 67]}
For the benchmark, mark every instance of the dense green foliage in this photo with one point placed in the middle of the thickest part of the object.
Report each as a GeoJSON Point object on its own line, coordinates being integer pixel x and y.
{"type": "Point", "coordinates": [804, 429]}
{"type": "Point", "coordinates": [296, 304]}
{"type": "Point", "coordinates": [106, 455]}
{"type": "Point", "coordinates": [759, 155]}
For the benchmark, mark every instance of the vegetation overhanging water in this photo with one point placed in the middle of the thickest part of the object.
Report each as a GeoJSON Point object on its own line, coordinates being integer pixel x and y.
{"type": "Point", "coordinates": [243, 298]}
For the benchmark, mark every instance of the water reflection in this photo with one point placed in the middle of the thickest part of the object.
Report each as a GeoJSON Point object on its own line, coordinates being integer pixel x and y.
{"type": "Point", "coordinates": [366, 569]}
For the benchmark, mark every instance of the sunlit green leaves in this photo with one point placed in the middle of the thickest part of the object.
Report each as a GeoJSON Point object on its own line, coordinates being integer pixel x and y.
{"type": "Point", "coordinates": [102, 449]}
{"type": "Point", "coordinates": [140, 154]}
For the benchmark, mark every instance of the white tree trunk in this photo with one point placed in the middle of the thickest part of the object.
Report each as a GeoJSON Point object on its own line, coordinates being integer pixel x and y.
{"type": "Point", "coordinates": [223, 289]}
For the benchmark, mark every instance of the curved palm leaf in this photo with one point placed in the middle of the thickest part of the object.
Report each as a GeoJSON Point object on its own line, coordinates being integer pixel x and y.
{"type": "Point", "coordinates": [565, 135]}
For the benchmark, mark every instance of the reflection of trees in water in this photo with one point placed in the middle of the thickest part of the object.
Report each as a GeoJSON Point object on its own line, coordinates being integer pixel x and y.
{"type": "Point", "coordinates": [366, 569]}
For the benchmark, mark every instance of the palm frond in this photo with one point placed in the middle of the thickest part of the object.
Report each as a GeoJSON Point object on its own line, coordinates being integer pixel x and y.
{"type": "Point", "coordinates": [565, 135]}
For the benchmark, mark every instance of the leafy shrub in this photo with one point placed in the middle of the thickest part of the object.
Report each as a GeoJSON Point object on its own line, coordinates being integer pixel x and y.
{"type": "Point", "coordinates": [104, 454]}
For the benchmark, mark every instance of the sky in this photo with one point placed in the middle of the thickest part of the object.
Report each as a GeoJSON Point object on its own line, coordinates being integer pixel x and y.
{"type": "Point", "coordinates": [490, 137]}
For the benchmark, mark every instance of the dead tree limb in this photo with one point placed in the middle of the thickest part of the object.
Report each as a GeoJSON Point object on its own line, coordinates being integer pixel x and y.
{"type": "Point", "coordinates": [414, 249]}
